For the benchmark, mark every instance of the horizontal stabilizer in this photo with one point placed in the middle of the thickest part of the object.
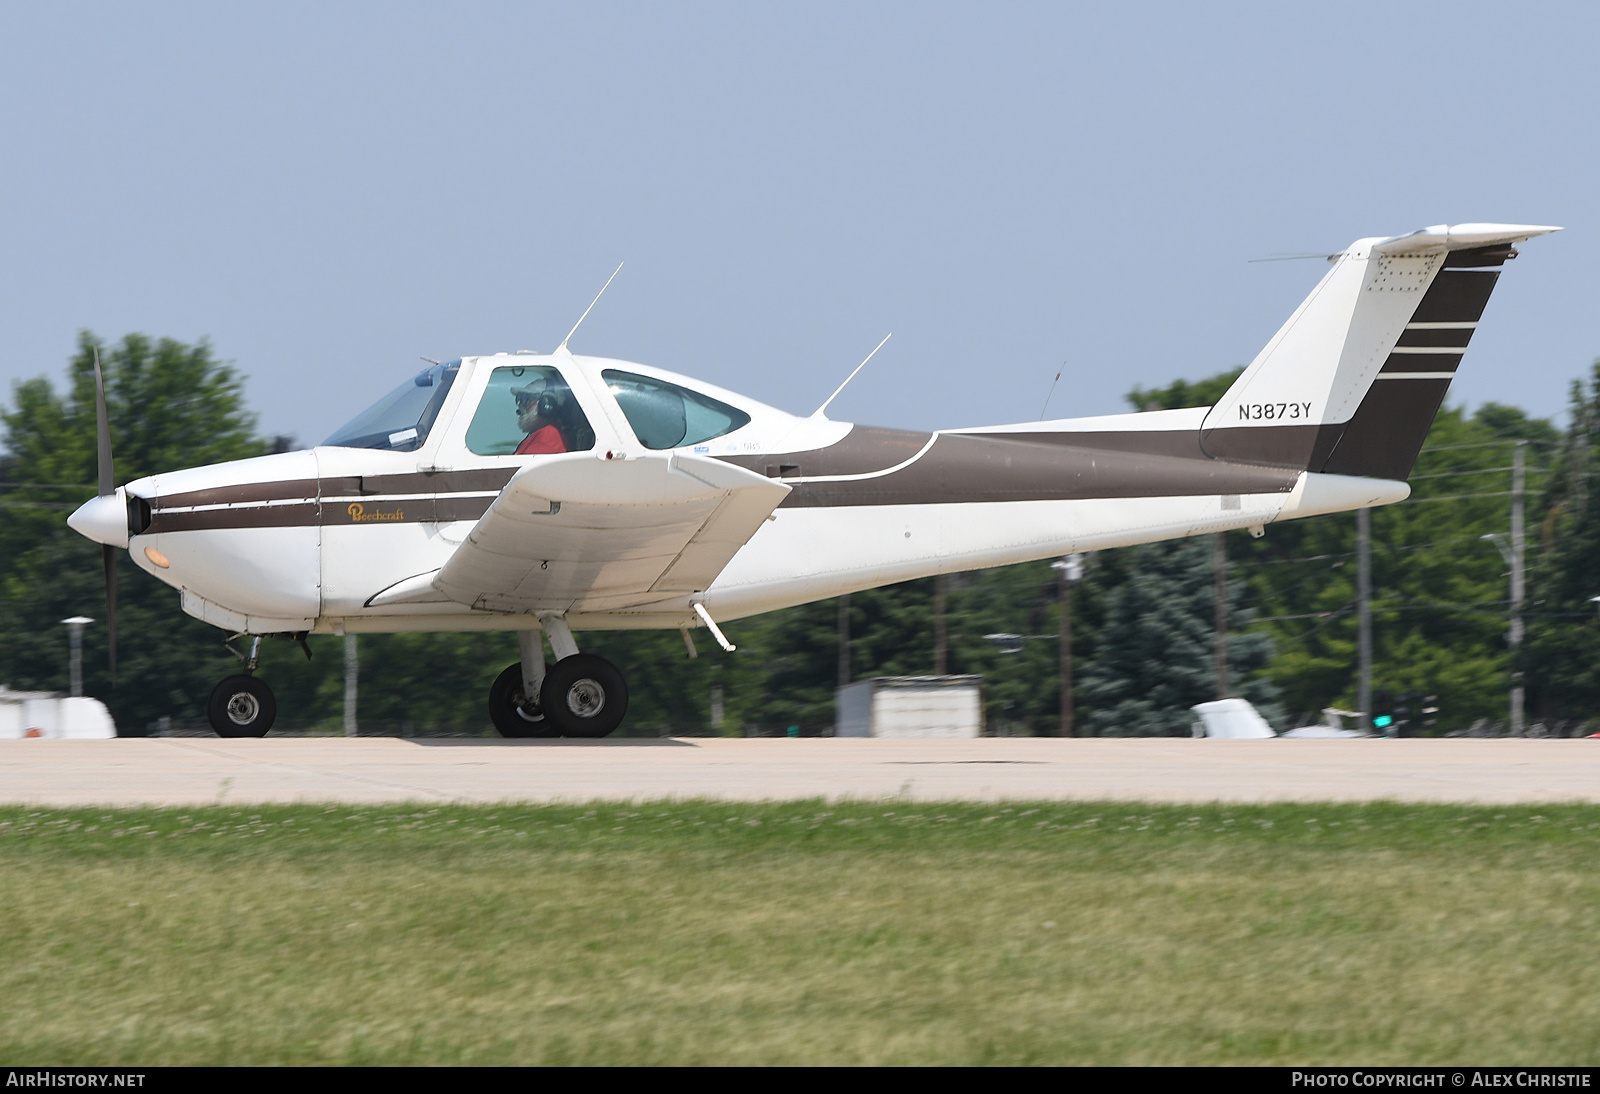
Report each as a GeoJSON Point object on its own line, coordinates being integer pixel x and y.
{"type": "Point", "coordinates": [1459, 237]}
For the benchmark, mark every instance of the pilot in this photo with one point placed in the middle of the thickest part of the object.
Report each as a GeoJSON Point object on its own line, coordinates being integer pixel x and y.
{"type": "Point", "coordinates": [537, 412]}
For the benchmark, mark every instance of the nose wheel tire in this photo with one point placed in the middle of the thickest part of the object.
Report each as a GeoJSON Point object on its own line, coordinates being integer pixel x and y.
{"type": "Point", "coordinates": [585, 696]}
{"type": "Point", "coordinates": [241, 706]}
{"type": "Point", "coordinates": [511, 712]}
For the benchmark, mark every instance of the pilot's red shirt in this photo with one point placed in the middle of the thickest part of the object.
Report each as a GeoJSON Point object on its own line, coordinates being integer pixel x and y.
{"type": "Point", "coordinates": [545, 439]}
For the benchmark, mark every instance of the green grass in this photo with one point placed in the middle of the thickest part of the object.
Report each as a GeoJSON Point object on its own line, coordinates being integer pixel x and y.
{"type": "Point", "coordinates": [884, 932]}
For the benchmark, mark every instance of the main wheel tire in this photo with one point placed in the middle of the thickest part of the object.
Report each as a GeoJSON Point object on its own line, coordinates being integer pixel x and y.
{"type": "Point", "coordinates": [510, 710]}
{"type": "Point", "coordinates": [241, 706]}
{"type": "Point", "coordinates": [585, 696]}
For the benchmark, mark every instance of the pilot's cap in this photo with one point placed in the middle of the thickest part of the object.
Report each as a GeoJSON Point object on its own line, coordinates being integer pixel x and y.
{"type": "Point", "coordinates": [531, 390]}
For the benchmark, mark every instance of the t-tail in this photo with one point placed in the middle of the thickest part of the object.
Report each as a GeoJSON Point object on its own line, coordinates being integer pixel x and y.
{"type": "Point", "coordinates": [1351, 384]}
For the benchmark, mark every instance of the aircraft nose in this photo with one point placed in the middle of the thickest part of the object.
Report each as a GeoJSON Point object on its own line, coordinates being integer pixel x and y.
{"type": "Point", "coordinates": [103, 519]}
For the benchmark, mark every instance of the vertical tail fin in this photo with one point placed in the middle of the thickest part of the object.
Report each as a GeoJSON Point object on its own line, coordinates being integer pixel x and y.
{"type": "Point", "coordinates": [1351, 383]}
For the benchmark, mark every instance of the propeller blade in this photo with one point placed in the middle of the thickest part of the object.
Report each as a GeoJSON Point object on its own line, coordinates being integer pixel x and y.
{"type": "Point", "coordinates": [108, 555]}
{"type": "Point", "coordinates": [108, 485]}
{"type": "Point", "coordinates": [102, 430]}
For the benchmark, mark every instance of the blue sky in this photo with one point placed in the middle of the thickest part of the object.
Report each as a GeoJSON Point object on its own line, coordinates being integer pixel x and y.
{"type": "Point", "coordinates": [328, 191]}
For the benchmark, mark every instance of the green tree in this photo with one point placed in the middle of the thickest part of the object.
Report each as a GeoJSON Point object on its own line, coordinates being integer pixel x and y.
{"type": "Point", "coordinates": [1562, 663]}
{"type": "Point", "coordinates": [1181, 393]}
{"type": "Point", "coordinates": [1156, 656]}
{"type": "Point", "coordinates": [171, 406]}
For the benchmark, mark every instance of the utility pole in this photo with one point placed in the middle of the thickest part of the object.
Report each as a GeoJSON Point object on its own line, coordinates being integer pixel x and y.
{"type": "Point", "coordinates": [844, 639]}
{"type": "Point", "coordinates": [1518, 485]}
{"type": "Point", "coordinates": [1364, 614]}
{"type": "Point", "coordinates": [941, 584]}
{"type": "Point", "coordinates": [352, 671]}
{"type": "Point", "coordinates": [1219, 568]}
{"type": "Point", "coordinates": [75, 627]}
{"type": "Point", "coordinates": [1069, 571]}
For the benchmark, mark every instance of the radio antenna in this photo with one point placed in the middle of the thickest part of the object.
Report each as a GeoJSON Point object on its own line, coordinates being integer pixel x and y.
{"type": "Point", "coordinates": [1294, 257]}
{"type": "Point", "coordinates": [562, 348]}
{"type": "Point", "coordinates": [1051, 392]}
{"type": "Point", "coordinates": [818, 412]}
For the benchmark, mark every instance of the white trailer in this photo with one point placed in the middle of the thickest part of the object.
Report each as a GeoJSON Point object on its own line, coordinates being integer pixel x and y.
{"type": "Point", "coordinates": [910, 706]}
{"type": "Point", "coordinates": [53, 715]}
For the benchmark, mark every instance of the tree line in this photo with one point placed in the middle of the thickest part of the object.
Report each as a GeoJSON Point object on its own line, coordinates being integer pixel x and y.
{"type": "Point", "coordinates": [1143, 618]}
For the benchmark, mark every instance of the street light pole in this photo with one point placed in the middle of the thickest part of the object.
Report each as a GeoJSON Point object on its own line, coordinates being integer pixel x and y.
{"type": "Point", "coordinates": [75, 627]}
{"type": "Point", "coordinates": [1069, 571]}
{"type": "Point", "coordinates": [1219, 574]}
{"type": "Point", "coordinates": [1518, 485]}
{"type": "Point", "coordinates": [1364, 615]}
{"type": "Point", "coordinates": [843, 631]}
{"type": "Point", "coordinates": [352, 674]}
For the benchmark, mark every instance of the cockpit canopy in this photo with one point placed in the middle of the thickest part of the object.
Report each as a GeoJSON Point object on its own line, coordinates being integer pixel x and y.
{"type": "Point", "coordinates": [528, 407]}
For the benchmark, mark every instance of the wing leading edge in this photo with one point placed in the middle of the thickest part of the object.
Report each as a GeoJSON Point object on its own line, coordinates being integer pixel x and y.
{"type": "Point", "coordinates": [576, 533]}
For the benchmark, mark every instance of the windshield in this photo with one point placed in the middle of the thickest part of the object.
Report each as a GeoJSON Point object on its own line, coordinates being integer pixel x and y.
{"type": "Point", "coordinates": [401, 419]}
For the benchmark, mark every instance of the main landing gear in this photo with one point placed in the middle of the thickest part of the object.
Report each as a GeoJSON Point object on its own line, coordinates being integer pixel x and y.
{"type": "Point", "coordinates": [242, 706]}
{"type": "Point", "coordinates": [581, 695]}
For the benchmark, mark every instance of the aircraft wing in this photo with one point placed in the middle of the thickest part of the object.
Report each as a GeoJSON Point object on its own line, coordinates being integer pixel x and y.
{"type": "Point", "coordinates": [581, 533]}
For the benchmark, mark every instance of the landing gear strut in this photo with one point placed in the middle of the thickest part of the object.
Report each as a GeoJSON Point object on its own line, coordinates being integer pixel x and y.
{"type": "Point", "coordinates": [580, 696]}
{"type": "Point", "coordinates": [242, 706]}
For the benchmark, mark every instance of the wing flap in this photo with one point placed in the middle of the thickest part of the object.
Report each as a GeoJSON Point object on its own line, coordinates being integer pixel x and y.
{"type": "Point", "coordinates": [580, 533]}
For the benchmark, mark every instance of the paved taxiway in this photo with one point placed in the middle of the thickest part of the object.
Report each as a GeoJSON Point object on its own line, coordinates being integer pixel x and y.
{"type": "Point", "coordinates": [197, 771]}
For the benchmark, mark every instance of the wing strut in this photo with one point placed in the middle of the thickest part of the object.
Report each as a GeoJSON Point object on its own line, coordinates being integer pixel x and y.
{"type": "Point", "coordinates": [711, 625]}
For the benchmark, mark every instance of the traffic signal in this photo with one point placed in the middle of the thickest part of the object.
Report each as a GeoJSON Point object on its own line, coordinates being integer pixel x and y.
{"type": "Point", "coordinates": [1402, 714]}
{"type": "Point", "coordinates": [1430, 711]}
{"type": "Point", "coordinates": [1383, 712]}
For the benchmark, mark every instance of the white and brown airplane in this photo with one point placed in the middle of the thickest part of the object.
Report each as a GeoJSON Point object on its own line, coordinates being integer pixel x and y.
{"type": "Point", "coordinates": [553, 494]}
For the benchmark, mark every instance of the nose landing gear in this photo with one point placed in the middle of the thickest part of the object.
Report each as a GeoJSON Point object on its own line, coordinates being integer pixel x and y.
{"type": "Point", "coordinates": [242, 706]}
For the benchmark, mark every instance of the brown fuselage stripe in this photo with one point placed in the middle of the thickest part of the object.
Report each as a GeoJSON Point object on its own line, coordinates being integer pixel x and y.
{"type": "Point", "coordinates": [966, 468]}
{"type": "Point", "coordinates": [312, 504]}
{"type": "Point", "coordinates": [421, 482]}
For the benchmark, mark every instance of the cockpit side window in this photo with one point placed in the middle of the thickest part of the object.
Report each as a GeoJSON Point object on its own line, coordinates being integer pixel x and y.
{"type": "Point", "coordinates": [528, 410]}
{"type": "Point", "coordinates": [665, 415]}
{"type": "Point", "coordinates": [401, 420]}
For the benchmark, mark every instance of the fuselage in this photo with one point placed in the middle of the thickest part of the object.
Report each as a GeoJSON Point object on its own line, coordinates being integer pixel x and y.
{"type": "Point", "coordinates": [343, 538]}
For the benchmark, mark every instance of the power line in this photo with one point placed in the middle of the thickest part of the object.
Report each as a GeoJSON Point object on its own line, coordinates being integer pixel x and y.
{"type": "Point", "coordinates": [1478, 471]}
{"type": "Point", "coordinates": [1488, 444]}
{"type": "Point", "coordinates": [1456, 497]}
